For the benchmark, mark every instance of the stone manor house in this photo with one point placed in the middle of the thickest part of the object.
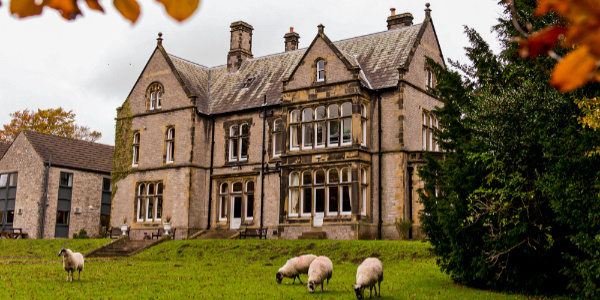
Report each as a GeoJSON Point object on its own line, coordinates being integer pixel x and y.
{"type": "Point", "coordinates": [320, 139]}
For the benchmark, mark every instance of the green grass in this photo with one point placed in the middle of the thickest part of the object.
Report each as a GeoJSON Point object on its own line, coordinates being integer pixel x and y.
{"type": "Point", "coordinates": [232, 269]}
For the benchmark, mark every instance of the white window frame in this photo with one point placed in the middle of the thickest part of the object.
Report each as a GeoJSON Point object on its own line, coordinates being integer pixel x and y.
{"type": "Point", "coordinates": [303, 186]}
{"type": "Point", "coordinates": [328, 186]}
{"type": "Point", "coordinates": [156, 196]}
{"type": "Point", "coordinates": [319, 186]}
{"type": "Point", "coordinates": [323, 122]}
{"type": "Point", "coordinates": [344, 118]}
{"type": "Point", "coordinates": [136, 149]}
{"type": "Point", "coordinates": [159, 99]}
{"type": "Point", "coordinates": [223, 196]}
{"type": "Point", "coordinates": [291, 188]}
{"type": "Point", "coordinates": [246, 194]}
{"type": "Point", "coordinates": [170, 145]}
{"type": "Point", "coordinates": [330, 119]}
{"type": "Point", "coordinates": [341, 195]}
{"type": "Point", "coordinates": [239, 138]}
{"type": "Point", "coordinates": [140, 202]}
{"type": "Point", "coordinates": [294, 129]}
{"type": "Point", "coordinates": [277, 141]}
{"type": "Point", "coordinates": [320, 70]}
{"type": "Point", "coordinates": [306, 121]}
{"type": "Point", "coordinates": [364, 191]}
{"type": "Point", "coordinates": [152, 100]}
{"type": "Point", "coordinates": [363, 125]}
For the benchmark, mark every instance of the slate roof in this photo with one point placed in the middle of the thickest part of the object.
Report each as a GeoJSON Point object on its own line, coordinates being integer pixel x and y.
{"type": "Point", "coordinates": [378, 55]}
{"type": "Point", "coordinates": [3, 148]}
{"type": "Point", "coordinates": [69, 153]}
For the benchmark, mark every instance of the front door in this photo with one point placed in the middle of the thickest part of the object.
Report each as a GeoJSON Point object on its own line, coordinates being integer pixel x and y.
{"type": "Point", "coordinates": [319, 207]}
{"type": "Point", "coordinates": [236, 209]}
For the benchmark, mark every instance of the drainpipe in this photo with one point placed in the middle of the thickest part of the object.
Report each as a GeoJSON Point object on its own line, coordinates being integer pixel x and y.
{"type": "Point", "coordinates": [379, 132]}
{"type": "Point", "coordinates": [410, 195]}
{"type": "Point", "coordinates": [212, 149]}
{"type": "Point", "coordinates": [262, 165]}
{"type": "Point", "coordinates": [45, 197]}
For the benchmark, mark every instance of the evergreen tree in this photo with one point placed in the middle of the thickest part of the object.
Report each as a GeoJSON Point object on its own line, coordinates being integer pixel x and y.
{"type": "Point", "coordinates": [514, 204]}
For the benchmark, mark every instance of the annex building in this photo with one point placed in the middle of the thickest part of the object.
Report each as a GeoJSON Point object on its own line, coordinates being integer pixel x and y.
{"type": "Point", "coordinates": [321, 139]}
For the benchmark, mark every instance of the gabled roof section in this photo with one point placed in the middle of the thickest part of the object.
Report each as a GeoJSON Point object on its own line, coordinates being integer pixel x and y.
{"type": "Point", "coordinates": [3, 148]}
{"type": "Point", "coordinates": [377, 56]}
{"type": "Point", "coordinates": [70, 153]}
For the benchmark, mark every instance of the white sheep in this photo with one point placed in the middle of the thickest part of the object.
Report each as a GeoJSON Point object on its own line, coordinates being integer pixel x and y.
{"type": "Point", "coordinates": [369, 273]}
{"type": "Point", "coordinates": [320, 269]}
{"type": "Point", "coordinates": [294, 267]}
{"type": "Point", "coordinates": [71, 262]}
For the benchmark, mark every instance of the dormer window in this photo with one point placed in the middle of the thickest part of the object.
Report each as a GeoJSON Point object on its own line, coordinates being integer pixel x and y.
{"type": "Point", "coordinates": [248, 82]}
{"type": "Point", "coordinates": [154, 96]}
{"type": "Point", "coordinates": [320, 70]}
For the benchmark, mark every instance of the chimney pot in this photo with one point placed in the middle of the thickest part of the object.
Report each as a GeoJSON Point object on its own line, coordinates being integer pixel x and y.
{"type": "Point", "coordinates": [291, 29]}
{"type": "Point", "coordinates": [393, 11]}
{"type": "Point", "coordinates": [398, 21]}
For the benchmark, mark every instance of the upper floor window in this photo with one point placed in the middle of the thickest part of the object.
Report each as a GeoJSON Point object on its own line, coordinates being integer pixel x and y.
{"type": "Point", "coordinates": [321, 127]}
{"type": "Point", "coordinates": [428, 77]}
{"type": "Point", "coordinates": [429, 123]}
{"type": "Point", "coordinates": [295, 130]}
{"type": "Point", "coordinates": [363, 125]}
{"type": "Point", "coordinates": [239, 136]}
{"type": "Point", "coordinates": [66, 179]}
{"type": "Point", "coordinates": [347, 123]}
{"type": "Point", "coordinates": [155, 95]}
{"type": "Point", "coordinates": [277, 137]}
{"type": "Point", "coordinates": [136, 149]}
{"type": "Point", "coordinates": [307, 128]}
{"type": "Point", "coordinates": [170, 145]}
{"type": "Point", "coordinates": [320, 70]}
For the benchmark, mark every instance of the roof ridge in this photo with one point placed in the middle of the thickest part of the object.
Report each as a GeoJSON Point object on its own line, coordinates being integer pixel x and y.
{"type": "Point", "coordinates": [381, 32]}
{"type": "Point", "coordinates": [27, 131]}
{"type": "Point", "coordinates": [189, 61]}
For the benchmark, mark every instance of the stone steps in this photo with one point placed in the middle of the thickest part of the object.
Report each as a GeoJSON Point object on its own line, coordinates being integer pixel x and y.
{"type": "Point", "coordinates": [313, 235]}
{"type": "Point", "coordinates": [218, 234]}
{"type": "Point", "coordinates": [123, 248]}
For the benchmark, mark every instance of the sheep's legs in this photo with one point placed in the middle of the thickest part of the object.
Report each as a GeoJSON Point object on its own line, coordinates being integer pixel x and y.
{"type": "Point", "coordinates": [328, 284]}
{"type": "Point", "coordinates": [371, 291]}
{"type": "Point", "coordinates": [321, 286]}
{"type": "Point", "coordinates": [299, 279]}
{"type": "Point", "coordinates": [379, 284]}
{"type": "Point", "coordinates": [79, 275]}
{"type": "Point", "coordinates": [67, 275]}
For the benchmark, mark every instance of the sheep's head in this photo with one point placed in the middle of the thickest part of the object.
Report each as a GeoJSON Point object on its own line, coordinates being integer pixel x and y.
{"type": "Point", "coordinates": [311, 286]}
{"type": "Point", "coordinates": [279, 277]}
{"type": "Point", "coordinates": [62, 252]}
{"type": "Point", "coordinates": [358, 290]}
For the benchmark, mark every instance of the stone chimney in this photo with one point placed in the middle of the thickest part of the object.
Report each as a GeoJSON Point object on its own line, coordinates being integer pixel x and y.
{"type": "Point", "coordinates": [398, 21]}
{"type": "Point", "coordinates": [291, 40]}
{"type": "Point", "coordinates": [240, 46]}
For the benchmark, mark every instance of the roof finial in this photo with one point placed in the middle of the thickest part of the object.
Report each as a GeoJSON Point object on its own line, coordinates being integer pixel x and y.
{"type": "Point", "coordinates": [321, 28]}
{"type": "Point", "coordinates": [159, 39]}
{"type": "Point", "coordinates": [427, 10]}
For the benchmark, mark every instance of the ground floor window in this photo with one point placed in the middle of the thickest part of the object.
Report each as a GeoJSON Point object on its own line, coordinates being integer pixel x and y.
{"type": "Point", "coordinates": [236, 201]}
{"type": "Point", "coordinates": [326, 192]}
{"type": "Point", "coordinates": [8, 193]}
{"type": "Point", "coordinates": [149, 201]}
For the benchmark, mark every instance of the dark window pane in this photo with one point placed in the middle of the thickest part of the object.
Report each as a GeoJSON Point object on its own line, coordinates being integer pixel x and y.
{"type": "Point", "coordinates": [105, 221]}
{"type": "Point", "coordinates": [150, 189]}
{"type": "Point", "coordinates": [10, 216]}
{"type": "Point", "coordinates": [150, 209]}
{"type": "Point", "coordinates": [319, 200]}
{"type": "Point", "coordinates": [233, 151]}
{"type": "Point", "coordinates": [237, 207]}
{"type": "Point", "coordinates": [250, 187]}
{"type": "Point", "coordinates": [321, 134]}
{"type": "Point", "coordinates": [334, 176]}
{"type": "Point", "coordinates": [62, 218]}
{"type": "Point", "coordinates": [333, 132]}
{"type": "Point", "coordinates": [306, 178]}
{"type": "Point", "coordinates": [13, 179]}
{"type": "Point", "coordinates": [346, 204]}
{"type": "Point", "coordinates": [307, 201]}
{"type": "Point", "coordinates": [233, 131]}
{"type": "Point", "coordinates": [140, 208]}
{"type": "Point", "coordinates": [250, 206]}
{"type": "Point", "coordinates": [308, 135]}
{"type": "Point", "coordinates": [245, 129]}
{"type": "Point", "coordinates": [223, 207]}
{"type": "Point", "coordinates": [159, 203]}
{"type": "Point", "coordinates": [245, 147]}
{"type": "Point", "coordinates": [159, 188]}
{"type": "Point", "coordinates": [319, 177]}
{"type": "Point", "coordinates": [277, 140]}
{"type": "Point", "coordinates": [333, 198]}
{"type": "Point", "coordinates": [106, 187]}
{"type": "Point", "coordinates": [224, 188]}
{"type": "Point", "coordinates": [237, 187]}
{"type": "Point", "coordinates": [66, 179]}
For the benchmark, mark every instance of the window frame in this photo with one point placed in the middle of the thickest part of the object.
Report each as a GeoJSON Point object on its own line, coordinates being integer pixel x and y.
{"type": "Point", "coordinates": [149, 201]}
{"type": "Point", "coordinates": [170, 144]}
{"type": "Point", "coordinates": [154, 94]}
{"type": "Point", "coordinates": [320, 69]}
{"type": "Point", "coordinates": [136, 149]}
{"type": "Point", "coordinates": [240, 139]}
{"type": "Point", "coordinates": [363, 124]}
{"type": "Point", "coordinates": [277, 136]}
{"type": "Point", "coordinates": [293, 187]}
{"type": "Point", "coordinates": [248, 193]}
{"type": "Point", "coordinates": [295, 127]}
{"type": "Point", "coordinates": [223, 201]}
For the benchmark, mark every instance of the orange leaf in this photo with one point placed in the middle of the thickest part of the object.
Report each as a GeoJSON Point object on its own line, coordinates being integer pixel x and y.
{"type": "Point", "coordinates": [180, 9]}
{"type": "Point", "coordinates": [559, 6]}
{"type": "Point", "coordinates": [130, 9]}
{"type": "Point", "coordinates": [93, 4]}
{"type": "Point", "coordinates": [574, 70]}
{"type": "Point", "coordinates": [540, 42]}
{"type": "Point", "coordinates": [25, 8]}
{"type": "Point", "coordinates": [68, 8]}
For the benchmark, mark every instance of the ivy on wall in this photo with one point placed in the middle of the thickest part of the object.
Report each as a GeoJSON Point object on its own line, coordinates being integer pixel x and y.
{"type": "Point", "coordinates": [123, 147]}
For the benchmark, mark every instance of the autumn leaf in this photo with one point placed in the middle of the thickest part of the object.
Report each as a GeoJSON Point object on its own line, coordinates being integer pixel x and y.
{"type": "Point", "coordinates": [130, 9]}
{"type": "Point", "coordinates": [180, 9]}
{"type": "Point", "coordinates": [540, 42]}
{"type": "Point", "coordinates": [93, 4]}
{"type": "Point", "coordinates": [25, 8]}
{"type": "Point", "coordinates": [68, 8]}
{"type": "Point", "coordinates": [574, 70]}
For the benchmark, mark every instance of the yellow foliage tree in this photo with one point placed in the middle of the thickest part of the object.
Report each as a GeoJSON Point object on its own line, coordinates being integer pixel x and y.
{"type": "Point", "coordinates": [129, 9]}
{"type": "Point", "coordinates": [55, 121]}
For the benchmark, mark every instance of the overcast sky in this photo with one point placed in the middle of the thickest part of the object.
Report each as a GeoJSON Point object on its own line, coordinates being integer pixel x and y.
{"type": "Point", "coordinates": [91, 64]}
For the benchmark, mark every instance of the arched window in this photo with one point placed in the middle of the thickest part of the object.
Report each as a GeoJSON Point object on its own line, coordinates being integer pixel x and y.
{"type": "Point", "coordinates": [333, 192]}
{"type": "Point", "coordinates": [223, 201]}
{"type": "Point", "coordinates": [320, 70]}
{"type": "Point", "coordinates": [307, 128]}
{"type": "Point", "coordinates": [277, 137]}
{"type": "Point", "coordinates": [149, 201]}
{"type": "Point", "coordinates": [306, 193]}
{"type": "Point", "coordinates": [345, 191]}
{"type": "Point", "coordinates": [428, 77]}
{"type": "Point", "coordinates": [170, 140]}
{"type": "Point", "coordinates": [333, 126]}
{"type": "Point", "coordinates": [294, 196]}
{"type": "Point", "coordinates": [141, 193]}
{"type": "Point", "coordinates": [249, 203]}
{"type": "Point", "coordinates": [236, 187]}
{"type": "Point", "coordinates": [154, 95]}
{"type": "Point", "coordinates": [295, 130]}
{"type": "Point", "coordinates": [136, 149]}
{"type": "Point", "coordinates": [347, 123]}
{"type": "Point", "coordinates": [363, 125]}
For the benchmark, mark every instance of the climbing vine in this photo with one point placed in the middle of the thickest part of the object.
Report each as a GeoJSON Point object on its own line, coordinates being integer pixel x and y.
{"type": "Point", "coordinates": [123, 148]}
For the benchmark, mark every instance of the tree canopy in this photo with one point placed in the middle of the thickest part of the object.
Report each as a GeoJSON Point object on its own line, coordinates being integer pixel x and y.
{"type": "Point", "coordinates": [515, 203]}
{"type": "Point", "coordinates": [55, 121]}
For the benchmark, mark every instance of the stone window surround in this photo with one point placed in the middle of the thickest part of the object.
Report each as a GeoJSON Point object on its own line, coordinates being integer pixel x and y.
{"type": "Point", "coordinates": [227, 126]}
{"type": "Point", "coordinates": [142, 201]}
{"type": "Point", "coordinates": [136, 148]}
{"type": "Point", "coordinates": [320, 70]}
{"type": "Point", "coordinates": [170, 144]}
{"type": "Point", "coordinates": [154, 96]}
{"type": "Point", "coordinates": [226, 192]}
{"type": "Point", "coordinates": [301, 186]}
{"type": "Point", "coordinates": [298, 124]}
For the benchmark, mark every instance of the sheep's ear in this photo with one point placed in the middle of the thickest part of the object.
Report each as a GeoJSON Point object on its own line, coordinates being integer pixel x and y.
{"type": "Point", "coordinates": [61, 252]}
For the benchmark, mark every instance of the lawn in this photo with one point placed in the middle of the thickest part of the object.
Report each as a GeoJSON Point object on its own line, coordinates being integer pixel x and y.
{"type": "Point", "coordinates": [232, 269]}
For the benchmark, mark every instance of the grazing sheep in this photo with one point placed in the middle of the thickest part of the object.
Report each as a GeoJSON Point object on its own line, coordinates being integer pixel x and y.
{"type": "Point", "coordinates": [320, 269]}
{"type": "Point", "coordinates": [369, 273]}
{"type": "Point", "coordinates": [294, 267]}
{"type": "Point", "coordinates": [71, 262]}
